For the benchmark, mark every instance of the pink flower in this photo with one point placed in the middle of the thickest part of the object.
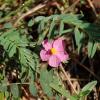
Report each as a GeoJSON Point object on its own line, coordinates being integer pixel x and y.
{"type": "Point", "coordinates": [54, 52]}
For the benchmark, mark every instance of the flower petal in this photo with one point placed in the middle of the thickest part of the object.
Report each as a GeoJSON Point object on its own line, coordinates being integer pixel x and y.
{"type": "Point", "coordinates": [59, 44]}
{"type": "Point", "coordinates": [63, 56]}
{"type": "Point", "coordinates": [44, 55]}
{"type": "Point", "coordinates": [54, 61]}
{"type": "Point", "coordinates": [47, 45]}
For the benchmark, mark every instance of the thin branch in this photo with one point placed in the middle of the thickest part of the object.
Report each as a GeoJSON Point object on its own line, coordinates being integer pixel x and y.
{"type": "Point", "coordinates": [92, 73]}
{"type": "Point", "coordinates": [67, 77]}
{"type": "Point", "coordinates": [92, 6]}
{"type": "Point", "coordinates": [38, 7]}
{"type": "Point", "coordinates": [72, 6]}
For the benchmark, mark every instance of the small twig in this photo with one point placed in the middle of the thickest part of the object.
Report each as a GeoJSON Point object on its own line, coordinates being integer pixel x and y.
{"type": "Point", "coordinates": [9, 84]}
{"type": "Point", "coordinates": [91, 66]}
{"type": "Point", "coordinates": [3, 6]}
{"type": "Point", "coordinates": [75, 79]}
{"type": "Point", "coordinates": [62, 69]}
{"type": "Point", "coordinates": [26, 94]}
{"type": "Point", "coordinates": [87, 69]}
{"type": "Point", "coordinates": [38, 7]}
{"type": "Point", "coordinates": [73, 5]}
{"type": "Point", "coordinates": [92, 6]}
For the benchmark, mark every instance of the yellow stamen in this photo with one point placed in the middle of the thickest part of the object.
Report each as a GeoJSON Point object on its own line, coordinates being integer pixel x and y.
{"type": "Point", "coordinates": [53, 51]}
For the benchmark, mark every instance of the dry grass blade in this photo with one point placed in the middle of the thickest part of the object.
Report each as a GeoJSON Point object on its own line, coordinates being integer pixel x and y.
{"type": "Point", "coordinates": [68, 79]}
{"type": "Point", "coordinates": [38, 7]}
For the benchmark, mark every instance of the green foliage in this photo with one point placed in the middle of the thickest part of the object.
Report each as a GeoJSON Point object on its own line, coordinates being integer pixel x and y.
{"type": "Point", "coordinates": [87, 89]}
{"type": "Point", "coordinates": [60, 90]}
{"type": "Point", "coordinates": [21, 45]}
{"type": "Point", "coordinates": [78, 38]}
{"type": "Point", "coordinates": [16, 44]}
{"type": "Point", "coordinates": [32, 89]}
{"type": "Point", "coordinates": [45, 79]}
{"type": "Point", "coordinates": [15, 90]}
{"type": "Point", "coordinates": [30, 23]}
{"type": "Point", "coordinates": [89, 86]}
{"type": "Point", "coordinates": [1, 96]}
{"type": "Point", "coordinates": [83, 30]}
{"type": "Point", "coordinates": [92, 47]}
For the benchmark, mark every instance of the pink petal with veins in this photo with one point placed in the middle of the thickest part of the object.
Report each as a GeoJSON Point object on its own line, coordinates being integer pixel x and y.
{"type": "Point", "coordinates": [54, 61]}
{"type": "Point", "coordinates": [47, 44]}
{"type": "Point", "coordinates": [63, 56]}
{"type": "Point", "coordinates": [44, 55]}
{"type": "Point", "coordinates": [59, 44]}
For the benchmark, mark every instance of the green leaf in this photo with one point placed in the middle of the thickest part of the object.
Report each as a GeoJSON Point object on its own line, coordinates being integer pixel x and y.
{"type": "Point", "coordinates": [1, 13]}
{"type": "Point", "coordinates": [92, 47]}
{"type": "Point", "coordinates": [12, 51]}
{"type": "Point", "coordinates": [57, 97]}
{"type": "Point", "coordinates": [3, 88]}
{"type": "Point", "coordinates": [66, 31]}
{"type": "Point", "coordinates": [88, 88]}
{"type": "Point", "coordinates": [94, 50]}
{"type": "Point", "coordinates": [7, 94]}
{"type": "Point", "coordinates": [1, 96]}
{"type": "Point", "coordinates": [47, 89]}
{"type": "Point", "coordinates": [52, 25]}
{"type": "Point", "coordinates": [75, 97]}
{"type": "Point", "coordinates": [60, 89]}
{"type": "Point", "coordinates": [39, 18]}
{"type": "Point", "coordinates": [30, 23]}
{"type": "Point", "coordinates": [32, 89]}
{"type": "Point", "coordinates": [77, 36]}
{"type": "Point", "coordinates": [15, 90]}
{"type": "Point", "coordinates": [61, 27]}
{"type": "Point", "coordinates": [8, 25]}
{"type": "Point", "coordinates": [84, 93]}
{"type": "Point", "coordinates": [46, 77]}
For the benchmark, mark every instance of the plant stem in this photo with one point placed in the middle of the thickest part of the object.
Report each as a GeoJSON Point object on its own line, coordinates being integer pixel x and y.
{"type": "Point", "coordinates": [68, 79]}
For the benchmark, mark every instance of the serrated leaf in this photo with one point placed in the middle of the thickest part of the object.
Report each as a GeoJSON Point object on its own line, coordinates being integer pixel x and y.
{"type": "Point", "coordinates": [15, 90]}
{"type": "Point", "coordinates": [12, 51]}
{"type": "Point", "coordinates": [47, 89]}
{"type": "Point", "coordinates": [32, 65]}
{"type": "Point", "coordinates": [60, 89]}
{"type": "Point", "coordinates": [22, 57]}
{"type": "Point", "coordinates": [46, 77]}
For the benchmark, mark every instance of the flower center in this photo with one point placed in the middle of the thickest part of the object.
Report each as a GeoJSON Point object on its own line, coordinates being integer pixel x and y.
{"type": "Point", "coordinates": [53, 51]}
